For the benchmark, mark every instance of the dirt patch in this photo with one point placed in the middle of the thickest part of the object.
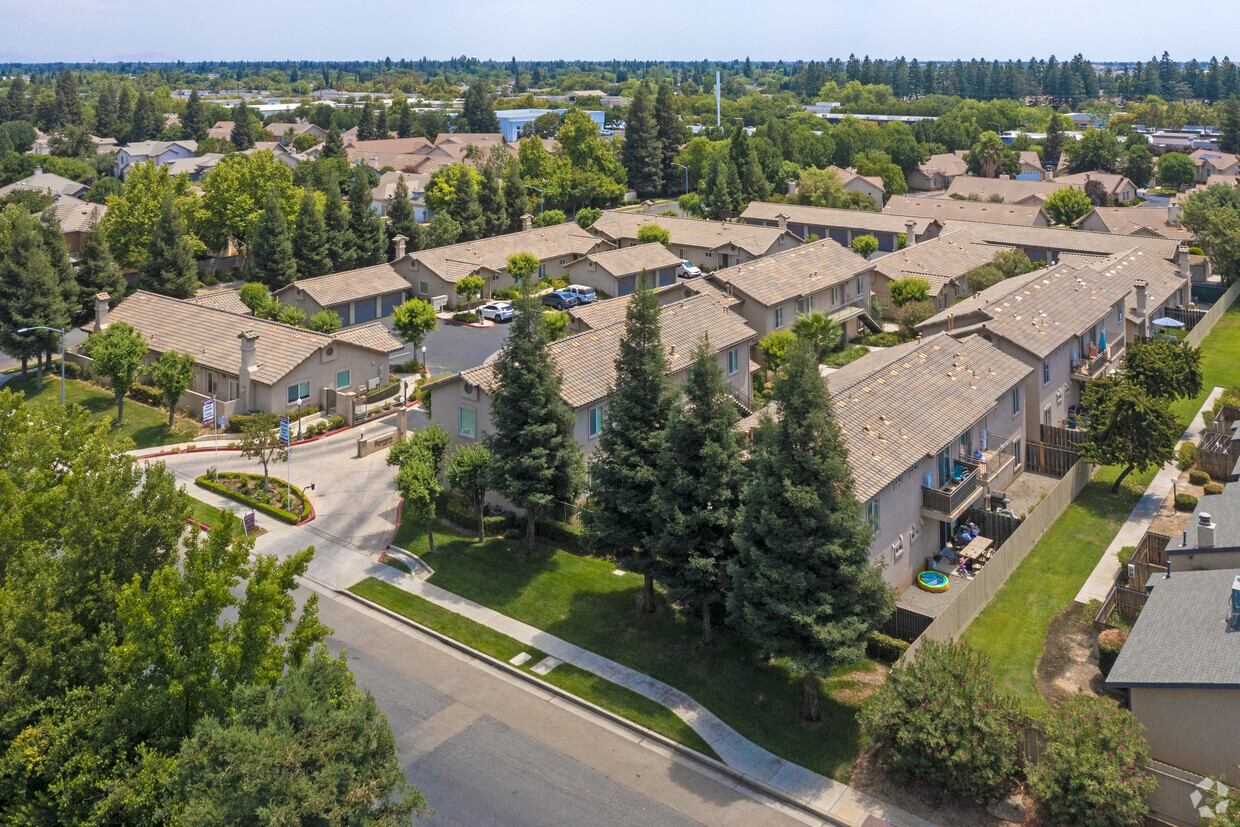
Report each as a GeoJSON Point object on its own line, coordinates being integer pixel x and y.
{"type": "Point", "coordinates": [1069, 663]}
{"type": "Point", "coordinates": [928, 801]}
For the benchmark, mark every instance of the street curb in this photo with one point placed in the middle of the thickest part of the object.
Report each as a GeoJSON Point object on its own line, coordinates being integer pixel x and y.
{"type": "Point", "coordinates": [706, 761]}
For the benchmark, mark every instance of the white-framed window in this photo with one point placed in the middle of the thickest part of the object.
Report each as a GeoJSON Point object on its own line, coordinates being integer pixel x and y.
{"type": "Point", "coordinates": [871, 513]}
{"type": "Point", "coordinates": [835, 295]}
{"type": "Point", "coordinates": [299, 391]}
{"type": "Point", "coordinates": [809, 303]}
{"type": "Point", "coordinates": [733, 362]}
{"type": "Point", "coordinates": [542, 271]}
{"type": "Point", "coordinates": [779, 317]}
{"type": "Point", "coordinates": [860, 285]}
{"type": "Point", "coordinates": [210, 384]}
{"type": "Point", "coordinates": [1046, 371]}
{"type": "Point", "coordinates": [467, 422]}
{"type": "Point", "coordinates": [1015, 400]}
{"type": "Point", "coordinates": [495, 277]}
{"type": "Point", "coordinates": [914, 531]}
{"type": "Point", "coordinates": [424, 288]}
{"type": "Point", "coordinates": [234, 389]}
{"type": "Point", "coordinates": [562, 262]}
{"type": "Point", "coordinates": [595, 416]}
{"type": "Point", "coordinates": [342, 379]}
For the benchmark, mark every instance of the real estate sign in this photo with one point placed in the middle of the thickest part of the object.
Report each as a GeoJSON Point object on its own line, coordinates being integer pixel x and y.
{"type": "Point", "coordinates": [284, 430]}
{"type": "Point", "coordinates": [208, 411]}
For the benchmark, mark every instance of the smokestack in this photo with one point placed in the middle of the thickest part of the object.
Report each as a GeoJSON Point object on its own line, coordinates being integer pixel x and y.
{"type": "Point", "coordinates": [101, 311]}
{"type": "Point", "coordinates": [248, 343]}
{"type": "Point", "coordinates": [527, 223]}
{"type": "Point", "coordinates": [1205, 531]}
{"type": "Point", "coordinates": [1182, 255]}
{"type": "Point", "coordinates": [1141, 285]}
{"type": "Point", "coordinates": [910, 233]}
{"type": "Point", "coordinates": [400, 246]}
{"type": "Point", "coordinates": [782, 220]}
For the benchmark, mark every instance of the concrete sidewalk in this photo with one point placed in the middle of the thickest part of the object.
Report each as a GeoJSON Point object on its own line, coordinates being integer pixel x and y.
{"type": "Point", "coordinates": [1100, 581]}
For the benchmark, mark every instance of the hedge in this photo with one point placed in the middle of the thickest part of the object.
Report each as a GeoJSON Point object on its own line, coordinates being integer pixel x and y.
{"type": "Point", "coordinates": [146, 394]}
{"type": "Point", "coordinates": [1212, 488]}
{"type": "Point", "coordinates": [1187, 454]}
{"type": "Point", "coordinates": [884, 648]}
{"type": "Point", "coordinates": [279, 513]}
{"type": "Point", "coordinates": [565, 534]}
{"type": "Point", "coordinates": [1109, 644]}
{"type": "Point", "coordinates": [1185, 502]}
{"type": "Point", "coordinates": [379, 394]}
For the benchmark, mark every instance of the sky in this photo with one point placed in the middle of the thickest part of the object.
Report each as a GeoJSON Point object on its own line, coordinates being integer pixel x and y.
{"type": "Point", "coordinates": [84, 30]}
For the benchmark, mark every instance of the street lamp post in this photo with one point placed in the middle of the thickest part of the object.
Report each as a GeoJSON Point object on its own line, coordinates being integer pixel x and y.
{"type": "Point", "coordinates": [686, 169]}
{"type": "Point", "coordinates": [540, 196]}
{"type": "Point", "coordinates": [299, 419]}
{"type": "Point", "coordinates": [425, 369]}
{"type": "Point", "coordinates": [62, 353]}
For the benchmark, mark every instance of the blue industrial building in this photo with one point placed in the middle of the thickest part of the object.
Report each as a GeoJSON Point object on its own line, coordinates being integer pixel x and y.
{"type": "Point", "coordinates": [511, 120]}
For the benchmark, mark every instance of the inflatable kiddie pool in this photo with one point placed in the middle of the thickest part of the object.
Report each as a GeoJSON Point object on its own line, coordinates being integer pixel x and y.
{"type": "Point", "coordinates": [932, 581]}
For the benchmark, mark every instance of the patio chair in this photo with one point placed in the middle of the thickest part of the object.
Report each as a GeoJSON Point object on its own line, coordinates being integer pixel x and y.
{"type": "Point", "coordinates": [958, 472]}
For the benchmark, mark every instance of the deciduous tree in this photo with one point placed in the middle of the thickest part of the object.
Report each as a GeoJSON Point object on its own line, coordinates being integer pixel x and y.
{"type": "Point", "coordinates": [1066, 204]}
{"type": "Point", "coordinates": [173, 373]}
{"type": "Point", "coordinates": [326, 321]}
{"type": "Point", "coordinates": [1164, 369]}
{"type": "Point", "coordinates": [469, 474]}
{"type": "Point", "coordinates": [1127, 427]}
{"type": "Point", "coordinates": [420, 490]}
{"type": "Point", "coordinates": [412, 320]}
{"type": "Point", "coordinates": [118, 353]}
{"type": "Point", "coordinates": [1175, 169]}
{"type": "Point", "coordinates": [260, 441]}
{"type": "Point", "coordinates": [907, 290]}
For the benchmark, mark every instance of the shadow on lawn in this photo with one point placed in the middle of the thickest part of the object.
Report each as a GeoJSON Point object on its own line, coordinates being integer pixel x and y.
{"type": "Point", "coordinates": [493, 573]}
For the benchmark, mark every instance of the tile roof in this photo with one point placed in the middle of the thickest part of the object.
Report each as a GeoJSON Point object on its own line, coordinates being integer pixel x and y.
{"type": "Point", "coordinates": [627, 261]}
{"type": "Point", "coordinates": [48, 182]}
{"type": "Point", "coordinates": [1114, 184]}
{"type": "Point", "coordinates": [392, 146]}
{"type": "Point", "coordinates": [75, 216]}
{"type": "Point", "coordinates": [881, 401]}
{"type": "Point", "coordinates": [690, 232]}
{"type": "Point", "coordinates": [373, 335]}
{"type": "Point", "coordinates": [211, 335]}
{"type": "Point", "coordinates": [229, 300]}
{"type": "Point", "coordinates": [792, 273]}
{"type": "Point", "coordinates": [350, 285]}
{"type": "Point", "coordinates": [1181, 638]}
{"type": "Point", "coordinates": [1011, 190]}
{"type": "Point", "coordinates": [1132, 220]}
{"type": "Point", "coordinates": [947, 209]}
{"type": "Point", "coordinates": [831, 217]}
{"type": "Point", "coordinates": [587, 360]}
{"type": "Point", "coordinates": [848, 176]}
{"type": "Point", "coordinates": [456, 261]}
{"type": "Point", "coordinates": [414, 181]}
{"type": "Point", "coordinates": [1063, 240]}
{"type": "Point", "coordinates": [1213, 158]}
{"type": "Point", "coordinates": [939, 260]}
{"type": "Point", "coordinates": [948, 164]}
{"type": "Point", "coordinates": [194, 165]}
{"type": "Point", "coordinates": [145, 149]}
{"type": "Point", "coordinates": [606, 312]}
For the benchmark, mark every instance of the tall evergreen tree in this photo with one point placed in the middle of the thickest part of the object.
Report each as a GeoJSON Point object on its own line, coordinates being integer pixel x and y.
{"type": "Point", "coordinates": [68, 102]}
{"type": "Point", "coordinates": [641, 153]}
{"type": "Point", "coordinates": [169, 267]}
{"type": "Point", "coordinates": [15, 106]}
{"type": "Point", "coordinates": [477, 111]}
{"type": "Point", "coordinates": [366, 124]}
{"type": "Point", "coordinates": [145, 123]}
{"type": "Point", "coordinates": [310, 243]}
{"type": "Point", "coordinates": [754, 186]}
{"type": "Point", "coordinates": [1229, 125]}
{"type": "Point", "coordinates": [402, 117]}
{"type": "Point", "coordinates": [365, 226]}
{"type": "Point", "coordinates": [194, 122]}
{"type": "Point", "coordinates": [97, 272]}
{"type": "Point", "coordinates": [668, 124]}
{"type": "Point", "coordinates": [699, 482]}
{"type": "Point", "coordinates": [336, 223]}
{"type": "Point", "coordinates": [465, 207]}
{"type": "Point", "coordinates": [803, 587]}
{"type": "Point", "coordinates": [31, 293]}
{"type": "Point", "coordinates": [124, 115]}
{"type": "Point", "coordinates": [537, 460]}
{"type": "Point", "coordinates": [333, 146]}
{"type": "Point", "coordinates": [514, 198]}
{"type": "Point", "coordinates": [105, 112]}
{"type": "Point", "coordinates": [381, 123]}
{"type": "Point", "coordinates": [242, 136]}
{"type": "Point", "coordinates": [272, 249]}
{"type": "Point", "coordinates": [401, 221]}
{"type": "Point", "coordinates": [623, 470]}
{"type": "Point", "coordinates": [1052, 144]}
{"type": "Point", "coordinates": [491, 199]}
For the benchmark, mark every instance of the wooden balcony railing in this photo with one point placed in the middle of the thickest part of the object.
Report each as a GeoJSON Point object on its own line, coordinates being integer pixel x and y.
{"type": "Point", "coordinates": [954, 496]}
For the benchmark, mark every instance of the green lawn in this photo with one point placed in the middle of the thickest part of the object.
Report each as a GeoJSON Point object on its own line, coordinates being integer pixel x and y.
{"type": "Point", "coordinates": [1012, 628]}
{"type": "Point", "coordinates": [583, 684]}
{"type": "Point", "coordinates": [209, 515]}
{"type": "Point", "coordinates": [144, 425]}
{"type": "Point", "coordinates": [580, 600]}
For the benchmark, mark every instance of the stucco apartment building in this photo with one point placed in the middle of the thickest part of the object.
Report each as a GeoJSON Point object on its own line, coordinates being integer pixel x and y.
{"type": "Point", "coordinates": [916, 474]}
{"type": "Point", "coordinates": [819, 277]}
{"type": "Point", "coordinates": [356, 296]}
{"type": "Point", "coordinates": [709, 245]}
{"type": "Point", "coordinates": [1117, 187]}
{"type": "Point", "coordinates": [942, 262]}
{"type": "Point", "coordinates": [938, 171]}
{"type": "Point", "coordinates": [1213, 164]}
{"type": "Point", "coordinates": [841, 226]}
{"type": "Point", "coordinates": [952, 209]}
{"type": "Point", "coordinates": [461, 403]}
{"type": "Point", "coordinates": [616, 272]}
{"type": "Point", "coordinates": [1055, 244]}
{"type": "Point", "coordinates": [253, 364]}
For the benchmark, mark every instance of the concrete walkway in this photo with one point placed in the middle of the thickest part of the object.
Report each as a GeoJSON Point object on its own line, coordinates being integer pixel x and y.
{"type": "Point", "coordinates": [1100, 581]}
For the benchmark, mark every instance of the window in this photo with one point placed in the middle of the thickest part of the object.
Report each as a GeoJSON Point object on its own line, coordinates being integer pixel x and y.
{"type": "Point", "coordinates": [1046, 417]}
{"type": "Point", "coordinates": [710, 254]}
{"type": "Point", "coordinates": [596, 420]}
{"type": "Point", "coordinates": [562, 262]}
{"type": "Point", "coordinates": [423, 288]}
{"type": "Point", "coordinates": [1046, 371]}
{"type": "Point", "coordinates": [681, 252]}
{"type": "Point", "coordinates": [342, 379]}
{"type": "Point", "coordinates": [809, 303]}
{"type": "Point", "coordinates": [733, 362]}
{"type": "Point", "coordinates": [467, 422]}
{"type": "Point", "coordinates": [914, 531]}
{"type": "Point", "coordinates": [299, 391]}
{"type": "Point", "coordinates": [1015, 401]}
{"type": "Point", "coordinates": [872, 516]}
{"type": "Point", "coordinates": [835, 295]}
{"type": "Point", "coordinates": [1119, 312]}
{"type": "Point", "coordinates": [779, 317]}
{"type": "Point", "coordinates": [495, 277]}
{"type": "Point", "coordinates": [542, 271]}
{"type": "Point", "coordinates": [1016, 451]}
{"type": "Point", "coordinates": [899, 480]}
{"type": "Point", "coordinates": [234, 389]}
{"type": "Point", "coordinates": [966, 443]}
{"type": "Point", "coordinates": [210, 384]}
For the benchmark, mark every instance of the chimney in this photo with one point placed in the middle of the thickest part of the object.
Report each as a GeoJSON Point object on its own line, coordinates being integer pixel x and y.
{"type": "Point", "coordinates": [646, 205]}
{"type": "Point", "coordinates": [1141, 285]}
{"type": "Point", "coordinates": [1173, 213]}
{"type": "Point", "coordinates": [527, 223]}
{"type": "Point", "coordinates": [782, 220]}
{"type": "Point", "coordinates": [792, 187]}
{"type": "Point", "coordinates": [248, 339]}
{"type": "Point", "coordinates": [101, 311]}
{"type": "Point", "coordinates": [1182, 255]}
{"type": "Point", "coordinates": [38, 169]}
{"type": "Point", "coordinates": [400, 246]}
{"type": "Point", "coordinates": [910, 233]}
{"type": "Point", "coordinates": [1205, 531]}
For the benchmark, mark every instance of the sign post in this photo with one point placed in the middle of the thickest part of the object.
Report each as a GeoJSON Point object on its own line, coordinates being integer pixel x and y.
{"type": "Point", "coordinates": [208, 415]}
{"type": "Point", "coordinates": [247, 522]}
{"type": "Point", "coordinates": [288, 458]}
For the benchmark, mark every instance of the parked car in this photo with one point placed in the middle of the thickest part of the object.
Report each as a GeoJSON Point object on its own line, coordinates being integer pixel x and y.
{"type": "Point", "coordinates": [583, 293]}
{"type": "Point", "coordinates": [497, 311]}
{"type": "Point", "coordinates": [688, 271]}
{"type": "Point", "coordinates": [560, 300]}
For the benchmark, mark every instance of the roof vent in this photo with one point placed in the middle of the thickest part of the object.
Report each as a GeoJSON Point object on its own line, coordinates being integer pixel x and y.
{"type": "Point", "coordinates": [1205, 531]}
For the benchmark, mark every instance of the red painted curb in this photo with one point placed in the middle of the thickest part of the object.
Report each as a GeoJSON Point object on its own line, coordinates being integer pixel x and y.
{"type": "Point", "coordinates": [306, 441]}
{"type": "Point", "coordinates": [391, 540]}
{"type": "Point", "coordinates": [465, 324]}
{"type": "Point", "coordinates": [312, 515]}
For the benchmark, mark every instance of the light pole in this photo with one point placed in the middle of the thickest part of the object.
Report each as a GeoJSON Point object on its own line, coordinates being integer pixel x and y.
{"type": "Point", "coordinates": [540, 196]}
{"type": "Point", "coordinates": [62, 353]}
{"type": "Point", "coordinates": [425, 370]}
{"type": "Point", "coordinates": [686, 169]}
{"type": "Point", "coordinates": [299, 420]}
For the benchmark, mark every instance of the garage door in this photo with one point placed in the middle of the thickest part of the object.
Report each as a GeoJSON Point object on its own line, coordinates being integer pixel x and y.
{"type": "Point", "coordinates": [391, 302]}
{"type": "Point", "coordinates": [363, 312]}
{"type": "Point", "coordinates": [667, 276]}
{"type": "Point", "coordinates": [624, 286]}
{"type": "Point", "coordinates": [341, 310]}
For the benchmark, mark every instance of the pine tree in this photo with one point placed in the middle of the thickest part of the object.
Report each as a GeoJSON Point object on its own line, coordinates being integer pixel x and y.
{"type": "Point", "coordinates": [57, 253]}
{"type": "Point", "coordinates": [272, 250]}
{"type": "Point", "coordinates": [242, 136]}
{"type": "Point", "coordinates": [402, 116]}
{"type": "Point", "coordinates": [194, 121]}
{"type": "Point", "coordinates": [514, 198]}
{"type": "Point", "coordinates": [145, 123]}
{"type": "Point", "coordinates": [333, 146]}
{"type": "Point", "coordinates": [699, 481]}
{"type": "Point", "coordinates": [1229, 125]}
{"type": "Point", "coordinates": [465, 207]}
{"type": "Point", "coordinates": [310, 244]}
{"type": "Point", "coordinates": [366, 124]}
{"type": "Point", "coordinates": [668, 123]}
{"type": "Point", "coordinates": [401, 221]}
{"type": "Point", "coordinates": [105, 112]}
{"type": "Point", "coordinates": [803, 587]}
{"type": "Point", "coordinates": [491, 200]}
{"type": "Point", "coordinates": [1052, 144]}
{"type": "Point", "coordinates": [365, 226]}
{"type": "Point", "coordinates": [169, 267]}
{"type": "Point", "coordinates": [124, 115]}
{"type": "Point", "coordinates": [477, 111]}
{"type": "Point", "coordinates": [537, 459]}
{"type": "Point", "coordinates": [623, 469]}
{"type": "Point", "coordinates": [641, 152]}
{"type": "Point", "coordinates": [15, 106]}
{"type": "Point", "coordinates": [754, 187]}
{"type": "Point", "coordinates": [720, 186]}
{"type": "Point", "coordinates": [68, 102]}
{"type": "Point", "coordinates": [381, 123]}
{"type": "Point", "coordinates": [336, 223]}
{"type": "Point", "coordinates": [97, 271]}
{"type": "Point", "coordinates": [30, 290]}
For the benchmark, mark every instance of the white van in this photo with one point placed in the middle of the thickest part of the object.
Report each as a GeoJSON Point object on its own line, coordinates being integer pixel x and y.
{"type": "Point", "coordinates": [583, 293]}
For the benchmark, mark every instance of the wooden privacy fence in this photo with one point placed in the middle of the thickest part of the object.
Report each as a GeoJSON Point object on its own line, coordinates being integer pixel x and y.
{"type": "Point", "coordinates": [1047, 459]}
{"type": "Point", "coordinates": [1127, 603]}
{"type": "Point", "coordinates": [998, 527]}
{"type": "Point", "coordinates": [979, 591]}
{"type": "Point", "coordinates": [1217, 455]}
{"type": "Point", "coordinates": [1149, 559]}
{"type": "Point", "coordinates": [1061, 437]}
{"type": "Point", "coordinates": [1198, 333]}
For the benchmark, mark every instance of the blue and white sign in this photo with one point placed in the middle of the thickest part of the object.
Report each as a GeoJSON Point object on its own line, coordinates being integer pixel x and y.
{"type": "Point", "coordinates": [284, 430]}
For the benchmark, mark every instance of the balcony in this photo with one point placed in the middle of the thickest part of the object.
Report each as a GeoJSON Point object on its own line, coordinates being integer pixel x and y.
{"type": "Point", "coordinates": [1094, 364]}
{"type": "Point", "coordinates": [850, 308]}
{"type": "Point", "coordinates": [995, 460]}
{"type": "Point", "coordinates": [947, 502]}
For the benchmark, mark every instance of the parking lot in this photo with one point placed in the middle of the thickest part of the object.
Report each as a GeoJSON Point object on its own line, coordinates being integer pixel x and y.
{"type": "Point", "coordinates": [453, 347]}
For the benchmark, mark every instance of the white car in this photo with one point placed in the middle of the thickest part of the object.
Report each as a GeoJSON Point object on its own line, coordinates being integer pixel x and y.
{"type": "Point", "coordinates": [688, 271]}
{"type": "Point", "coordinates": [584, 294]}
{"type": "Point", "coordinates": [497, 311]}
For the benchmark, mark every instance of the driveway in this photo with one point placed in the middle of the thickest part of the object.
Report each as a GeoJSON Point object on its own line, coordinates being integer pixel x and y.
{"type": "Point", "coordinates": [452, 347]}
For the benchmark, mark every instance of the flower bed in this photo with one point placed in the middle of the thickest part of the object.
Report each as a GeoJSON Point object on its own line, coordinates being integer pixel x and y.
{"type": "Point", "coordinates": [248, 489]}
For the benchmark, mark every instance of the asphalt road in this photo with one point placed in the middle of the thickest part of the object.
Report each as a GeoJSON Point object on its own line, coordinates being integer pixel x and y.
{"type": "Point", "coordinates": [452, 347]}
{"type": "Point", "coordinates": [486, 750]}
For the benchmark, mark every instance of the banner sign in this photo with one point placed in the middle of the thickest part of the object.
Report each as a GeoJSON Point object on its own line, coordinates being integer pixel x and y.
{"type": "Point", "coordinates": [284, 430]}
{"type": "Point", "coordinates": [208, 411]}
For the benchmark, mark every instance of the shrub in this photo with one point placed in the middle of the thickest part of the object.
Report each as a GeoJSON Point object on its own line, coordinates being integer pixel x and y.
{"type": "Point", "coordinates": [456, 510]}
{"type": "Point", "coordinates": [409, 366]}
{"type": "Point", "coordinates": [691, 203]}
{"type": "Point", "coordinates": [467, 316]}
{"type": "Point", "coordinates": [881, 647]}
{"type": "Point", "coordinates": [774, 347]}
{"type": "Point", "coordinates": [507, 294]}
{"type": "Point", "coordinates": [1109, 644]}
{"type": "Point", "coordinates": [237, 423]}
{"type": "Point", "coordinates": [335, 422]}
{"type": "Point", "coordinates": [1185, 502]}
{"type": "Point", "coordinates": [865, 245]}
{"type": "Point", "coordinates": [1196, 251]}
{"type": "Point", "coordinates": [1092, 769]}
{"type": "Point", "coordinates": [879, 340]}
{"type": "Point", "coordinates": [648, 233]}
{"type": "Point", "coordinates": [72, 370]}
{"type": "Point", "coordinates": [847, 354]}
{"type": "Point", "coordinates": [146, 394]}
{"type": "Point", "coordinates": [940, 719]}
{"type": "Point", "coordinates": [907, 290]}
{"type": "Point", "coordinates": [1125, 555]}
{"type": "Point", "coordinates": [1197, 477]}
{"type": "Point", "coordinates": [1186, 455]}
{"type": "Point", "coordinates": [550, 218]}
{"type": "Point", "coordinates": [279, 513]}
{"type": "Point", "coordinates": [562, 534]}
{"type": "Point", "coordinates": [913, 314]}
{"type": "Point", "coordinates": [587, 216]}
{"type": "Point", "coordinates": [1213, 488]}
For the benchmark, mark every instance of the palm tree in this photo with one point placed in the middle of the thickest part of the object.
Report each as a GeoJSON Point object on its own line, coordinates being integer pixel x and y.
{"type": "Point", "coordinates": [988, 153]}
{"type": "Point", "coordinates": [822, 332]}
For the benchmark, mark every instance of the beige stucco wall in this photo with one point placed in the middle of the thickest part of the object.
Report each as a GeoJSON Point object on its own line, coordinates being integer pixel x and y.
{"type": "Point", "coordinates": [762, 317]}
{"type": "Point", "coordinates": [1203, 559]}
{"type": "Point", "coordinates": [552, 268]}
{"type": "Point", "coordinates": [1193, 729]}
